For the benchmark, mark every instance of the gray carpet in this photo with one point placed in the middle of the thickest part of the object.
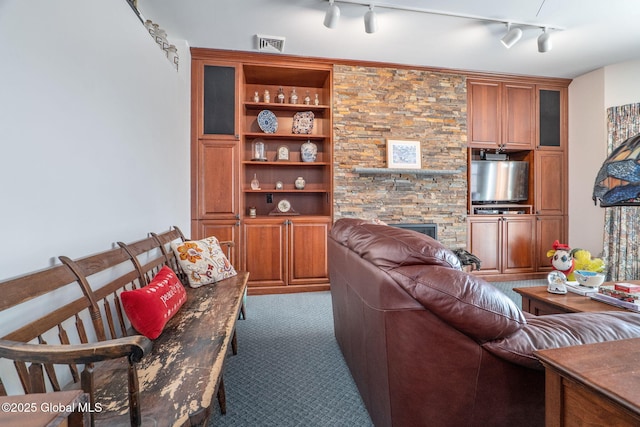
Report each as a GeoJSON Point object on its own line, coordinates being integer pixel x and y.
{"type": "Point", "coordinates": [507, 288]}
{"type": "Point", "coordinates": [289, 370]}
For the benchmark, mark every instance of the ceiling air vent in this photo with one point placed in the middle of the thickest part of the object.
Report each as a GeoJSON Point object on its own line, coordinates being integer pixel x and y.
{"type": "Point", "coordinates": [270, 43]}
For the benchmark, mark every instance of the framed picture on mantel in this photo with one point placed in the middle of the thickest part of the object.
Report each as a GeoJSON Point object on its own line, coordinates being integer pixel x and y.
{"type": "Point", "coordinates": [403, 154]}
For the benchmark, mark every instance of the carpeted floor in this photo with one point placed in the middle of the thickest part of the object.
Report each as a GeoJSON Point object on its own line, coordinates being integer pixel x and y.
{"type": "Point", "coordinates": [289, 370]}
{"type": "Point", "coordinates": [507, 288]}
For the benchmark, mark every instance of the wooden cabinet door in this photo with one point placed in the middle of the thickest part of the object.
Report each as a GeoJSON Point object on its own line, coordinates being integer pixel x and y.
{"type": "Point", "coordinates": [550, 182]}
{"type": "Point", "coordinates": [227, 230]}
{"type": "Point", "coordinates": [308, 251]}
{"type": "Point", "coordinates": [265, 252]}
{"type": "Point", "coordinates": [484, 113]}
{"type": "Point", "coordinates": [549, 228]}
{"type": "Point", "coordinates": [216, 180]}
{"type": "Point", "coordinates": [518, 116]}
{"type": "Point", "coordinates": [484, 240]}
{"type": "Point", "coordinates": [518, 237]}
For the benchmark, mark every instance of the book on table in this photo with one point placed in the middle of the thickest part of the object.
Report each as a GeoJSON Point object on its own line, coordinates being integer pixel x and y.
{"type": "Point", "coordinates": [611, 291]}
{"type": "Point", "coordinates": [627, 287]}
{"type": "Point", "coordinates": [599, 296]}
{"type": "Point", "coordinates": [577, 288]}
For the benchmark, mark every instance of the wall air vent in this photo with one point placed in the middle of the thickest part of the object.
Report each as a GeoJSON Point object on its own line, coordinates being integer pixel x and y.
{"type": "Point", "coordinates": [270, 43]}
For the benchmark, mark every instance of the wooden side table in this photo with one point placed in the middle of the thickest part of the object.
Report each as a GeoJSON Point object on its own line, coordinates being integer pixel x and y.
{"type": "Point", "coordinates": [64, 408]}
{"type": "Point", "coordinates": [536, 300]}
{"type": "Point", "coordinates": [592, 384]}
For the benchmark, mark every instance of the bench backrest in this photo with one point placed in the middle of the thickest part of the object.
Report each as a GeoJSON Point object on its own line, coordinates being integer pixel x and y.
{"type": "Point", "coordinates": [78, 302]}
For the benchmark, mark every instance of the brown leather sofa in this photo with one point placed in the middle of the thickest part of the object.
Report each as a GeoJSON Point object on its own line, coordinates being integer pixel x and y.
{"type": "Point", "coordinates": [430, 345]}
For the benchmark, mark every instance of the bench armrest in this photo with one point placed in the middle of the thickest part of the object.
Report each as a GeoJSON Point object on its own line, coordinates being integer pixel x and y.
{"type": "Point", "coordinates": [133, 347]}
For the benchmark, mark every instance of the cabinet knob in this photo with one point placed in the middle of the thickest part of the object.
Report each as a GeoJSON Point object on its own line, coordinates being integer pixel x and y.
{"type": "Point", "coordinates": [237, 223]}
{"type": "Point", "coordinates": [237, 216]}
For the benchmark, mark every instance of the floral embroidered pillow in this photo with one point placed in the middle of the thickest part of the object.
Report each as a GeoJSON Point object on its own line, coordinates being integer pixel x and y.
{"type": "Point", "coordinates": [203, 261]}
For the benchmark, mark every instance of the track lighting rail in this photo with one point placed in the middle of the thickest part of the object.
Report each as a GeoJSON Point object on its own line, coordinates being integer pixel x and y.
{"type": "Point", "coordinates": [384, 5]}
{"type": "Point", "coordinates": [514, 28]}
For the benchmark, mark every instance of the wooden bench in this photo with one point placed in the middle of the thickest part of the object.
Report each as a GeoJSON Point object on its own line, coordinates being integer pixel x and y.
{"type": "Point", "coordinates": [76, 335]}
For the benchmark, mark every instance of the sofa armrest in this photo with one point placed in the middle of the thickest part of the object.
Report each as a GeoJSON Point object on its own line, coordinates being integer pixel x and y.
{"type": "Point", "coordinates": [133, 347]}
{"type": "Point", "coordinates": [563, 330]}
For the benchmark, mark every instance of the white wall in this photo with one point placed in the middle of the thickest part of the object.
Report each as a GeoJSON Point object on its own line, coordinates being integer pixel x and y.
{"type": "Point", "coordinates": [589, 97]}
{"type": "Point", "coordinates": [622, 85]}
{"type": "Point", "coordinates": [94, 131]}
{"type": "Point", "coordinates": [587, 151]}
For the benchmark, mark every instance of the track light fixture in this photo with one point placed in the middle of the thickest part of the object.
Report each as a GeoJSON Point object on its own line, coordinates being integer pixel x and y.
{"type": "Point", "coordinates": [544, 41]}
{"type": "Point", "coordinates": [332, 16]}
{"type": "Point", "coordinates": [513, 35]}
{"type": "Point", "coordinates": [370, 21]}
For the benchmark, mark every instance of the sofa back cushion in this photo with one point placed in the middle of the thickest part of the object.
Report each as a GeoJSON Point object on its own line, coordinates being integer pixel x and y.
{"type": "Point", "coordinates": [467, 303]}
{"type": "Point", "coordinates": [390, 247]}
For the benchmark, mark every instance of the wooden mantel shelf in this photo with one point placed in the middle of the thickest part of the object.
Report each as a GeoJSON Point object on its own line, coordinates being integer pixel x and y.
{"type": "Point", "coordinates": [388, 171]}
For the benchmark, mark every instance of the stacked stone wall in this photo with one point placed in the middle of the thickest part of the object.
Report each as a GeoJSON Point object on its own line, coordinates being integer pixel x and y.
{"type": "Point", "coordinates": [374, 104]}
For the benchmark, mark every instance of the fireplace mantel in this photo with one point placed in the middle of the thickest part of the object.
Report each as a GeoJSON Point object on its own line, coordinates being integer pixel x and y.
{"type": "Point", "coordinates": [389, 171]}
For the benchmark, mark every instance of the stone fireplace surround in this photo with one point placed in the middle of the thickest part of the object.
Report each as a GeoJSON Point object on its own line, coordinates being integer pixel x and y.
{"type": "Point", "coordinates": [373, 104]}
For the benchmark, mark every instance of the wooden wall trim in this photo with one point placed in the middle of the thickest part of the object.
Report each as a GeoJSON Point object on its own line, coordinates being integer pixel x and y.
{"type": "Point", "coordinates": [236, 55]}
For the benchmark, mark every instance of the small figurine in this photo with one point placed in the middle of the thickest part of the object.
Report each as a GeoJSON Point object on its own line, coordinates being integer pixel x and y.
{"type": "Point", "coordinates": [256, 97]}
{"type": "Point", "coordinates": [267, 97]}
{"type": "Point", "coordinates": [562, 258]}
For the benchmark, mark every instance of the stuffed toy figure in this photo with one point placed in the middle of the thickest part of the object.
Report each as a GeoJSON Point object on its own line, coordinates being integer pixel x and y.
{"type": "Point", "coordinates": [583, 261]}
{"type": "Point", "coordinates": [561, 258]}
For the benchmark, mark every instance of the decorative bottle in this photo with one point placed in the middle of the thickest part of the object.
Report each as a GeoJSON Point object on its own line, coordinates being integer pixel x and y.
{"type": "Point", "coordinates": [293, 99]}
{"type": "Point", "coordinates": [307, 99]}
{"type": "Point", "coordinates": [280, 96]}
{"type": "Point", "coordinates": [255, 184]}
{"type": "Point", "coordinates": [308, 151]}
{"type": "Point", "coordinates": [267, 97]}
{"type": "Point", "coordinates": [256, 97]}
{"type": "Point", "coordinates": [317, 100]}
{"type": "Point", "coordinates": [300, 183]}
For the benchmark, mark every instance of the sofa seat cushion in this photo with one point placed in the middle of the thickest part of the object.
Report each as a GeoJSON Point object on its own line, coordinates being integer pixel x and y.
{"type": "Point", "coordinates": [389, 247]}
{"type": "Point", "coordinates": [563, 330]}
{"type": "Point", "coordinates": [462, 300]}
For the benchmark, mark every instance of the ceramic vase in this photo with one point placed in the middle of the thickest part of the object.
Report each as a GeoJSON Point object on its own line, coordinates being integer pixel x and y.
{"type": "Point", "coordinates": [308, 152]}
{"type": "Point", "coordinates": [300, 183]}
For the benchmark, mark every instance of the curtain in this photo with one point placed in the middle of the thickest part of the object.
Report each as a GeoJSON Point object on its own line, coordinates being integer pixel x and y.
{"type": "Point", "coordinates": [622, 223]}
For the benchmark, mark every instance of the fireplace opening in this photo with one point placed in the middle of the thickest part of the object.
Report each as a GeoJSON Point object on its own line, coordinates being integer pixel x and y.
{"type": "Point", "coordinates": [429, 229]}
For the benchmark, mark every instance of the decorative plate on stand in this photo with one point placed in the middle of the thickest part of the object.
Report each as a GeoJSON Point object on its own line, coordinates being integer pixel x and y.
{"type": "Point", "coordinates": [267, 121]}
{"type": "Point", "coordinates": [303, 122]}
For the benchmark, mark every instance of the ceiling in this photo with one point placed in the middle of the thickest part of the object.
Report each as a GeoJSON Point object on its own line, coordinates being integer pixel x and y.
{"type": "Point", "coordinates": [596, 32]}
